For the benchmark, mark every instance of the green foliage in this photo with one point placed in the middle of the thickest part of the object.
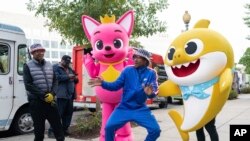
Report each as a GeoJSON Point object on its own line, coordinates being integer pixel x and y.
{"type": "Point", "coordinates": [88, 123]}
{"type": "Point", "coordinates": [233, 95]}
{"type": "Point", "coordinates": [247, 18]}
{"type": "Point", "coordinates": [245, 60]}
{"type": "Point", "coordinates": [65, 16]}
{"type": "Point", "coordinates": [245, 90]}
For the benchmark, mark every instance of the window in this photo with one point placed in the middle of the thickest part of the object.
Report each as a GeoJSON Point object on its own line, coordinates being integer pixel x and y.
{"type": "Point", "coordinates": [45, 44]}
{"type": "Point", "coordinates": [36, 41]}
{"type": "Point", "coordinates": [54, 54]}
{"type": "Point", "coordinates": [70, 54]}
{"type": "Point", "coordinates": [54, 44]}
{"type": "Point", "coordinates": [4, 59]}
{"type": "Point", "coordinates": [69, 46]}
{"type": "Point", "coordinates": [62, 53]}
{"type": "Point", "coordinates": [63, 46]}
{"type": "Point", "coordinates": [47, 54]}
{"type": "Point", "coordinates": [54, 62]}
{"type": "Point", "coordinates": [28, 42]}
{"type": "Point", "coordinates": [22, 58]}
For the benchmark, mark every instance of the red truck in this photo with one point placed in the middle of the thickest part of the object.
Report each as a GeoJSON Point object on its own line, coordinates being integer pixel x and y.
{"type": "Point", "coordinates": [86, 95]}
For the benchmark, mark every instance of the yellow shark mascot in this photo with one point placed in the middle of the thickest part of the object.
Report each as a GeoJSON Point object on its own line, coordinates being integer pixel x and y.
{"type": "Point", "coordinates": [199, 65]}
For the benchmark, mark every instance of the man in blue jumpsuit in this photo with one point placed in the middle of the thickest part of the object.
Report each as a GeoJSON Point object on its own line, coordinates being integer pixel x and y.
{"type": "Point", "coordinates": [139, 83]}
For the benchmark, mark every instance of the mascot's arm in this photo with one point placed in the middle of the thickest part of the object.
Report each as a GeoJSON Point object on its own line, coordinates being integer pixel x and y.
{"type": "Point", "coordinates": [129, 59]}
{"type": "Point", "coordinates": [91, 67]}
{"type": "Point", "coordinates": [226, 80]}
{"type": "Point", "coordinates": [169, 88]}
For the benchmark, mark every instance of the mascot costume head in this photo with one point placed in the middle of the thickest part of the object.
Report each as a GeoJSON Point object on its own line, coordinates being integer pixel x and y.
{"type": "Point", "coordinates": [109, 39]}
{"type": "Point", "coordinates": [199, 66]}
{"type": "Point", "coordinates": [109, 56]}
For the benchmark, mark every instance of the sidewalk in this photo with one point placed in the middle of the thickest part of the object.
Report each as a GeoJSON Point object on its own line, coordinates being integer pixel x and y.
{"type": "Point", "coordinates": [234, 112]}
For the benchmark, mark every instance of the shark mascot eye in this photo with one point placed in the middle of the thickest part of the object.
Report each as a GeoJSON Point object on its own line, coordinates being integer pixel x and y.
{"type": "Point", "coordinates": [194, 47]}
{"type": "Point", "coordinates": [199, 66]}
{"type": "Point", "coordinates": [170, 53]}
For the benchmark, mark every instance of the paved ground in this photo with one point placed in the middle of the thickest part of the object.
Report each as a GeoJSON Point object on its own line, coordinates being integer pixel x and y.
{"type": "Point", "coordinates": [234, 112]}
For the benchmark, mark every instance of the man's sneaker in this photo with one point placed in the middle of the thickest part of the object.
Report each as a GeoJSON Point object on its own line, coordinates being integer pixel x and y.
{"type": "Point", "coordinates": [66, 133]}
{"type": "Point", "coordinates": [51, 135]}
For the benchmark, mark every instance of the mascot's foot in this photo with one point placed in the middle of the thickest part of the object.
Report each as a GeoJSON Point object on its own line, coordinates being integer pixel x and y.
{"type": "Point", "coordinates": [124, 138]}
{"type": "Point", "coordinates": [176, 117]}
{"type": "Point", "coordinates": [102, 138]}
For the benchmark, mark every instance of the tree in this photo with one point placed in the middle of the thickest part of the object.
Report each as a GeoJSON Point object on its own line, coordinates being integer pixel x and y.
{"type": "Point", "coordinates": [65, 15]}
{"type": "Point", "coordinates": [247, 18]}
{"type": "Point", "coordinates": [245, 60]}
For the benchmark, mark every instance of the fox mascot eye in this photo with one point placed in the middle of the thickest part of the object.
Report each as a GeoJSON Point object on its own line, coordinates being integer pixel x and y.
{"type": "Point", "coordinates": [99, 45]}
{"type": "Point", "coordinates": [118, 43]}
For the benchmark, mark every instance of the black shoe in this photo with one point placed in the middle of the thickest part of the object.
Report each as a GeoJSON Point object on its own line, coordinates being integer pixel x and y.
{"type": "Point", "coordinates": [66, 133]}
{"type": "Point", "coordinates": [51, 135]}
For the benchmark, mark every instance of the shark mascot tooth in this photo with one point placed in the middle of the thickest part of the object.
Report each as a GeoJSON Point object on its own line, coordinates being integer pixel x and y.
{"type": "Point", "coordinates": [199, 65]}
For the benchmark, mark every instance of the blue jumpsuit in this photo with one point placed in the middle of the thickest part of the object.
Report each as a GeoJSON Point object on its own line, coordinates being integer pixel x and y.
{"type": "Point", "coordinates": [133, 103]}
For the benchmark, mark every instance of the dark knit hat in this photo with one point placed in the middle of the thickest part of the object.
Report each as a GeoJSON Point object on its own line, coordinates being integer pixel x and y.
{"type": "Point", "coordinates": [36, 47]}
{"type": "Point", "coordinates": [143, 53]}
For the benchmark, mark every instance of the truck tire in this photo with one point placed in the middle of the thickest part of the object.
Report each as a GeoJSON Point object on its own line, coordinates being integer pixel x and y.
{"type": "Point", "coordinates": [170, 100]}
{"type": "Point", "coordinates": [92, 110]}
{"type": "Point", "coordinates": [23, 122]}
{"type": "Point", "coordinates": [163, 105]}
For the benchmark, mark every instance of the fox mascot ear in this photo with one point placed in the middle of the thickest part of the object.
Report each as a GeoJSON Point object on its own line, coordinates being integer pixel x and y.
{"type": "Point", "coordinates": [89, 24]}
{"type": "Point", "coordinates": [126, 21]}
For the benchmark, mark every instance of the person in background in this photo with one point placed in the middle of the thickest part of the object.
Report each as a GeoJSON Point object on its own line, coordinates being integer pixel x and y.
{"type": "Point", "coordinates": [211, 129]}
{"type": "Point", "coordinates": [139, 82]}
{"type": "Point", "coordinates": [40, 84]}
{"type": "Point", "coordinates": [1, 68]}
{"type": "Point", "coordinates": [65, 94]}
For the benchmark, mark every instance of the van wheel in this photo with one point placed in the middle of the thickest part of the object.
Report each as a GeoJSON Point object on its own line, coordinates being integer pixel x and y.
{"type": "Point", "coordinates": [23, 122]}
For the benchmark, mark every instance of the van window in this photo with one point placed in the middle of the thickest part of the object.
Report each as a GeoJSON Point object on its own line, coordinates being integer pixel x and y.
{"type": "Point", "coordinates": [4, 59]}
{"type": "Point", "coordinates": [23, 57]}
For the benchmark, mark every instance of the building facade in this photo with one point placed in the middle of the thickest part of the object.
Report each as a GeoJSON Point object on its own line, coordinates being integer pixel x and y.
{"type": "Point", "coordinates": [36, 32]}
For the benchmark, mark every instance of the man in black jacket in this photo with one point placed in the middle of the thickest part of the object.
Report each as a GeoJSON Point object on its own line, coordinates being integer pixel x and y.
{"type": "Point", "coordinates": [65, 93]}
{"type": "Point", "coordinates": [39, 81]}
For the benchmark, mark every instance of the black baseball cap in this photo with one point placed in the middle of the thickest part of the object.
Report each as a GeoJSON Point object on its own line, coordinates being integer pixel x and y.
{"type": "Point", "coordinates": [66, 58]}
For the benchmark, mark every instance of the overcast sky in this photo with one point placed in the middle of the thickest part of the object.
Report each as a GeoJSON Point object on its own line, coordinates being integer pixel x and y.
{"type": "Point", "coordinates": [225, 16]}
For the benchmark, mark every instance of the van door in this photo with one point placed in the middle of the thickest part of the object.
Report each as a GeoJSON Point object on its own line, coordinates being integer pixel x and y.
{"type": "Point", "coordinates": [6, 80]}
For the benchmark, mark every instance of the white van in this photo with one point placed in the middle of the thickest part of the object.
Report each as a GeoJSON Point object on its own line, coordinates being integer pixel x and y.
{"type": "Point", "coordinates": [14, 110]}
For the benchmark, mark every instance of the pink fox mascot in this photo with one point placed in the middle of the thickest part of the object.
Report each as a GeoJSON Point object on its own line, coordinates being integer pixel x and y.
{"type": "Point", "coordinates": [110, 44]}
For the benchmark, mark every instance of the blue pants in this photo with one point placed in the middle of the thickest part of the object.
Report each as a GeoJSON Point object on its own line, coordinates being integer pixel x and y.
{"type": "Point", "coordinates": [142, 117]}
